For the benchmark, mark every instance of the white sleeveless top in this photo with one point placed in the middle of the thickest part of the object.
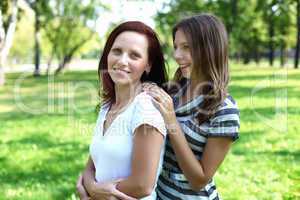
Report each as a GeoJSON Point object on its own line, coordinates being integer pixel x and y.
{"type": "Point", "coordinates": [111, 153]}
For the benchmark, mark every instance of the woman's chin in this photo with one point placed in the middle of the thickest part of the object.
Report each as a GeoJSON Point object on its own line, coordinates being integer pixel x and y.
{"type": "Point", "coordinates": [122, 82]}
{"type": "Point", "coordinates": [125, 82]}
{"type": "Point", "coordinates": [186, 75]}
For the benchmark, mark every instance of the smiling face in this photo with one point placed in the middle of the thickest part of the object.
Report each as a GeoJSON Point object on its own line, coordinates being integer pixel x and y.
{"type": "Point", "coordinates": [128, 58]}
{"type": "Point", "coordinates": [182, 53]}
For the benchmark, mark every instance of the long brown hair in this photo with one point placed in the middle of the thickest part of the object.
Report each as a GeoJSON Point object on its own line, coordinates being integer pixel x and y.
{"type": "Point", "coordinates": [207, 39]}
{"type": "Point", "coordinates": [157, 73]}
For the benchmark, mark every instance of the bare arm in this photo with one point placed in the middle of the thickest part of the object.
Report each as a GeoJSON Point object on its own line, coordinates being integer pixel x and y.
{"type": "Point", "coordinates": [100, 190]}
{"type": "Point", "coordinates": [145, 159]}
{"type": "Point", "coordinates": [83, 195]}
{"type": "Point", "coordinates": [89, 176]}
{"type": "Point", "coordinates": [198, 173]}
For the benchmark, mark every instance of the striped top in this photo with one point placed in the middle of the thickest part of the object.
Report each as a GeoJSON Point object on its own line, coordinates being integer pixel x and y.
{"type": "Point", "coordinates": [172, 185]}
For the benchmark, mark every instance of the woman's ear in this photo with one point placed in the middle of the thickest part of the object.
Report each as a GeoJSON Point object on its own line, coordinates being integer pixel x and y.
{"type": "Point", "coordinates": [148, 69]}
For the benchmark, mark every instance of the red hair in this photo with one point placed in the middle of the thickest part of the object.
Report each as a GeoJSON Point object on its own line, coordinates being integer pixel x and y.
{"type": "Point", "coordinates": [157, 73]}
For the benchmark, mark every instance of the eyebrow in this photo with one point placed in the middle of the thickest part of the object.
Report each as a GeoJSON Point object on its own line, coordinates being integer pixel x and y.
{"type": "Point", "coordinates": [133, 50]}
{"type": "Point", "coordinates": [136, 52]}
{"type": "Point", "coordinates": [136, 49]}
{"type": "Point", "coordinates": [184, 43]}
{"type": "Point", "coordinates": [181, 43]}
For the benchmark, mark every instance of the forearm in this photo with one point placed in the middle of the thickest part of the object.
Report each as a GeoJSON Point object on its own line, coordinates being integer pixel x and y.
{"type": "Point", "coordinates": [134, 188]}
{"type": "Point", "coordinates": [89, 176]}
{"type": "Point", "coordinates": [190, 165]}
{"type": "Point", "coordinates": [192, 168]}
{"type": "Point", "coordinates": [145, 161]}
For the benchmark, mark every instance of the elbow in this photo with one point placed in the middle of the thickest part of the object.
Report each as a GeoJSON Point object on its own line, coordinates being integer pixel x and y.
{"type": "Point", "coordinates": [136, 187]}
{"type": "Point", "coordinates": [142, 190]}
{"type": "Point", "coordinates": [199, 183]}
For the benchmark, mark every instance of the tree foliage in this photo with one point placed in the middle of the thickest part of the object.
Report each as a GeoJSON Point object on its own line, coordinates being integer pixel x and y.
{"type": "Point", "coordinates": [69, 26]}
{"type": "Point", "coordinates": [8, 21]}
{"type": "Point", "coordinates": [256, 28]}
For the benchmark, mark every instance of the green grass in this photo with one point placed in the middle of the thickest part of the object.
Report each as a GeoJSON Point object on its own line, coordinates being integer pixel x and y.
{"type": "Point", "coordinates": [46, 126]}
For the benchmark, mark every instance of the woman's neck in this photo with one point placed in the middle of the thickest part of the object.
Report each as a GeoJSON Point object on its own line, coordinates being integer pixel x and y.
{"type": "Point", "coordinates": [194, 89]}
{"type": "Point", "coordinates": [126, 93]}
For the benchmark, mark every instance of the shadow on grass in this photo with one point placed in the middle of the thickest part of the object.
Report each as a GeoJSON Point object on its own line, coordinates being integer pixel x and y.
{"type": "Point", "coordinates": [262, 92]}
{"type": "Point", "coordinates": [282, 153]}
{"type": "Point", "coordinates": [247, 136]}
{"type": "Point", "coordinates": [270, 75]}
{"type": "Point", "coordinates": [71, 75]}
{"type": "Point", "coordinates": [240, 148]}
{"type": "Point", "coordinates": [39, 106]}
{"type": "Point", "coordinates": [244, 77]}
{"type": "Point", "coordinates": [254, 114]}
{"type": "Point", "coordinates": [259, 115]}
{"type": "Point", "coordinates": [19, 116]}
{"type": "Point", "coordinates": [57, 171]}
{"type": "Point", "coordinates": [42, 141]}
{"type": "Point", "coordinates": [294, 76]}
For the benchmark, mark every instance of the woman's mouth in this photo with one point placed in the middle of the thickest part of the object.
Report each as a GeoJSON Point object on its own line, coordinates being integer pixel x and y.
{"type": "Point", "coordinates": [121, 70]}
{"type": "Point", "coordinates": [183, 66]}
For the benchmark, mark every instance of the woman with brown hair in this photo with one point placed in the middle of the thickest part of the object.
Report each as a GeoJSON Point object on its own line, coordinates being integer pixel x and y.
{"type": "Point", "coordinates": [201, 117]}
{"type": "Point", "coordinates": [127, 148]}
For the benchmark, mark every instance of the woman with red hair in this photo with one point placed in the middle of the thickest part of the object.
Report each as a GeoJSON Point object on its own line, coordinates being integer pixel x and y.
{"type": "Point", "coordinates": [127, 148]}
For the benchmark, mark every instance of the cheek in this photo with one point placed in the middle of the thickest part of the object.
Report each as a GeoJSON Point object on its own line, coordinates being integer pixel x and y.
{"type": "Point", "coordinates": [140, 67]}
{"type": "Point", "coordinates": [111, 60]}
{"type": "Point", "coordinates": [190, 57]}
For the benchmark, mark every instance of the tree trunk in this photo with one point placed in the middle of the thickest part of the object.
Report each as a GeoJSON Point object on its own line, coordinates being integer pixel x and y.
{"type": "Point", "coordinates": [271, 34]}
{"type": "Point", "coordinates": [2, 75]}
{"type": "Point", "coordinates": [282, 54]}
{"type": "Point", "coordinates": [271, 42]}
{"type": "Point", "coordinates": [49, 63]}
{"type": "Point", "coordinates": [60, 68]}
{"type": "Point", "coordinates": [234, 12]}
{"type": "Point", "coordinates": [6, 38]}
{"type": "Point", "coordinates": [2, 39]}
{"type": "Point", "coordinates": [62, 65]}
{"type": "Point", "coordinates": [298, 36]}
{"type": "Point", "coordinates": [68, 57]}
{"type": "Point", "coordinates": [246, 57]}
{"type": "Point", "coordinates": [256, 56]}
{"type": "Point", "coordinates": [37, 53]}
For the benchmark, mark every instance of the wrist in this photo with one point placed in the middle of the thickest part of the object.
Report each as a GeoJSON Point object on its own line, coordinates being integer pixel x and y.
{"type": "Point", "coordinates": [91, 187]}
{"type": "Point", "coordinates": [171, 119]}
{"type": "Point", "coordinates": [172, 127]}
{"type": "Point", "coordinates": [117, 186]}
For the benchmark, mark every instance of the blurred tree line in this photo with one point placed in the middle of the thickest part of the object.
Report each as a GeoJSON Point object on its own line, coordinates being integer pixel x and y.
{"type": "Point", "coordinates": [60, 29]}
{"type": "Point", "coordinates": [257, 28]}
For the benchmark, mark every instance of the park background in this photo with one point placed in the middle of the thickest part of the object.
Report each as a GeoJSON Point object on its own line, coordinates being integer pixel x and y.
{"type": "Point", "coordinates": [49, 52]}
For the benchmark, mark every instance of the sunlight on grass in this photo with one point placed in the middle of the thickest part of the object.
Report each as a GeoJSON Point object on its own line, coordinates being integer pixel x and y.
{"type": "Point", "coordinates": [43, 152]}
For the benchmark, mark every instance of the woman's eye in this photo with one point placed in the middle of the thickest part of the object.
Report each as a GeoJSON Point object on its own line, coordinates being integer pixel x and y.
{"type": "Point", "coordinates": [185, 47]}
{"type": "Point", "coordinates": [135, 55]}
{"type": "Point", "coordinates": [116, 51]}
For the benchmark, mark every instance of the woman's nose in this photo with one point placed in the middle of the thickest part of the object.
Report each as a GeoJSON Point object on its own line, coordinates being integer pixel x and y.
{"type": "Point", "coordinates": [177, 54]}
{"type": "Point", "coordinates": [123, 59]}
